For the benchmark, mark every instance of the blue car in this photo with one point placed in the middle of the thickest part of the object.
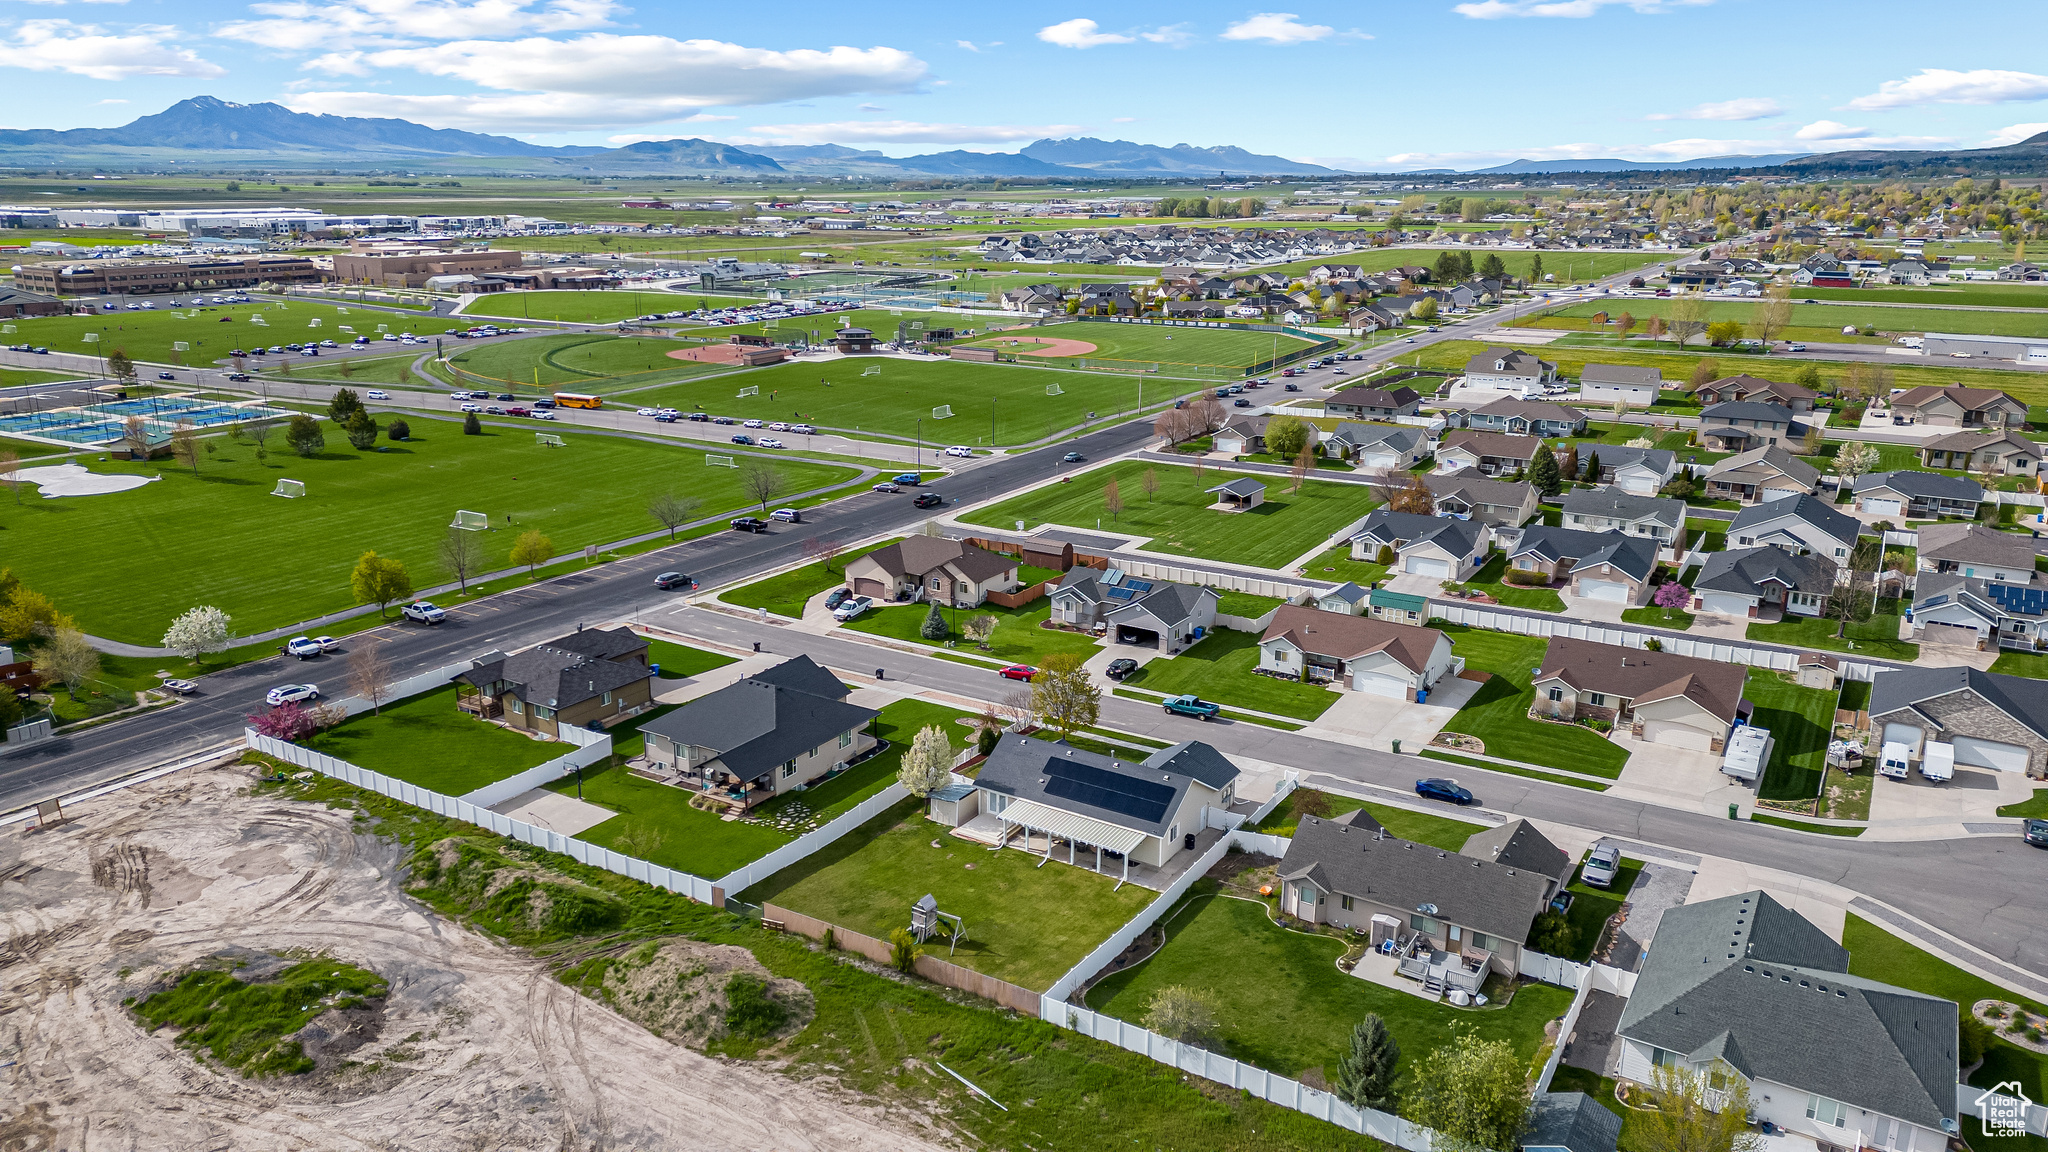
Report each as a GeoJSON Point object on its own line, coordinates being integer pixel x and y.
{"type": "Point", "coordinates": [910, 478]}
{"type": "Point", "coordinates": [1436, 788]}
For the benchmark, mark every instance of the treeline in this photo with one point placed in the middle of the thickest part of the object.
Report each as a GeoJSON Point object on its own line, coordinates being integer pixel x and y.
{"type": "Point", "coordinates": [1199, 208]}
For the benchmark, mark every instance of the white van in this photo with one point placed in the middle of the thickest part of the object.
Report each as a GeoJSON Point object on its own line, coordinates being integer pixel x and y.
{"type": "Point", "coordinates": [1894, 760]}
{"type": "Point", "coordinates": [1939, 765]}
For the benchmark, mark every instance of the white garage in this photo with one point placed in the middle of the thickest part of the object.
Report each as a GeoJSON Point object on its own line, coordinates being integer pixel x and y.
{"type": "Point", "coordinates": [1880, 507]}
{"type": "Point", "coordinates": [1726, 603]}
{"type": "Point", "coordinates": [1377, 684]}
{"type": "Point", "coordinates": [1989, 754]}
{"type": "Point", "coordinates": [1949, 635]}
{"type": "Point", "coordinates": [1613, 590]}
{"type": "Point", "coordinates": [1677, 735]}
{"type": "Point", "coordinates": [1903, 734]}
{"type": "Point", "coordinates": [1427, 566]}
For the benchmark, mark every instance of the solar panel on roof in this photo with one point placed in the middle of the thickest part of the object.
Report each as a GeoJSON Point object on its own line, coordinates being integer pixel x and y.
{"type": "Point", "coordinates": [1121, 593]}
{"type": "Point", "coordinates": [1138, 585]}
{"type": "Point", "coordinates": [1109, 791]}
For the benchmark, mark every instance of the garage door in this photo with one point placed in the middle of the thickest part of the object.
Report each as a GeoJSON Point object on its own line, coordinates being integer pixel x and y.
{"type": "Point", "coordinates": [1426, 566]}
{"type": "Point", "coordinates": [1604, 590]}
{"type": "Point", "coordinates": [1726, 603]}
{"type": "Point", "coordinates": [869, 588]}
{"type": "Point", "coordinates": [1990, 754]}
{"type": "Point", "coordinates": [1951, 635]}
{"type": "Point", "coordinates": [1903, 734]}
{"type": "Point", "coordinates": [1375, 684]}
{"type": "Point", "coordinates": [1677, 735]}
{"type": "Point", "coordinates": [1881, 507]}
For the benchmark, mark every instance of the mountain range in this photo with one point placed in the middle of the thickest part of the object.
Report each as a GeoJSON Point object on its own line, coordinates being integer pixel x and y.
{"type": "Point", "coordinates": [208, 130]}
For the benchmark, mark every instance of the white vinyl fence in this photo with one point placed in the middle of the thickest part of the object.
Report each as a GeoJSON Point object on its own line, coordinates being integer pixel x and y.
{"type": "Point", "coordinates": [1552, 969]}
{"type": "Point", "coordinates": [1256, 585]}
{"type": "Point", "coordinates": [1476, 616]}
{"type": "Point", "coordinates": [746, 875]}
{"type": "Point", "coordinates": [1564, 1030]}
{"type": "Point", "coordinates": [2000, 1105]}
{"type": "Point", "coordinates": [591, 747]}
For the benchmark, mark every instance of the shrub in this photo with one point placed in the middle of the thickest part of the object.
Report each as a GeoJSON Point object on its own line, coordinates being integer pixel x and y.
{"type": "Point", "coordinates": [398, 430]}
{"type": "Point", "coordinates": [1309, 802]}
{"type": "Point", "coordinates": [903, 950]}
{"type": "Point", "coordinates": [1973, 1036]}
{"type": "Point", "coordinates": [1385, 555]}
{"type": "Point", "coordinates": [750, 1010]}
{"type": "Point", "coordinates": [1553, 934]}
{"type": "Point", "coordinates": [1521, 579]}
{"type": "Point", "coordinates": [471, 426]}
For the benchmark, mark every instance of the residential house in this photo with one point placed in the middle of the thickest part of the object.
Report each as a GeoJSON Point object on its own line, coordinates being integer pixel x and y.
{"type": "Point", "coordinates": [1911, 272]}
{"type": "Point", "coordinates": [1952, 609]}
{"type": "Point", "coordinates": [1665, 698]}
{"type": "Point", "coordinates": [1037, 297]}
{"type": "Point", "coordinates": [1740, 425]}
{"type": "Point", "coordinates": [1992, 720]}
{"type": "Point", "coordinates": [1192, 309]}
{"type": "Point", "coordinates": [2002, 452]}
{"type": "Point", "coordinates": [1517, 844]}
{"type": "Point", "coordinates": [1636, 471]}
{"type": "Point", "coordinates": [1798, 525]}
{"type": "Point", "coordinates": [1599, 565]}
{"type": "Point", "coordinates": [1470, 496]}
{"type": "Point", "coordinates": [1378, 447]}
{"type": "Point", "coordinates": [590, 676]}
{"type": "Point", "coordinates": [1374, 403]}
{"type": "Point", "coordinates": [1921, 495]}
{"type": "Point", "coordinates": [1611, 510]}
{"type": "Point", "coordinates": [779, 730]}
{"type": "Point", "coordinates": [1346, 599]}
{"type": "Point", "coordinates": [1141, 611]}
{"type": "Point", "coordinates": [1509, 370]}
{"type": "Point", "coordinates": [1490, 453]}
{"type": "Point", "coordinates": [1958, 407]}
{"type": "Point", "coordinates": [1373, 317]}
{"type": "Point", "coordinates": [1519, 417]}
{"type": "Point", "coordinates": [1244, 436]}
{"type": "Point", "coordinates": [1975, 550]}
{"type": "Point", "coordinates": [1764, 474]}
{"type": "Point", "coordinates": [1398, 607]}
{"type": "Point", "coordinates": [1759, 583]}
{"type": "Point", "coordinates": [1424, 545]}
{"type": "Point", "coordinates": [1609, 383]}
{"type": "Point", "coordinates": [1359, 652]}
{"type": "Point", "coordinates": [2020, 271]}
{"type": "Point", "coordinates": [932, 567]}
{"type": "Point", "coordinates": [1449, 919]}
{"type": "Point", "coordinates": [1736, 389]}
{"type": "Point", "coordinates": [1570, 1122]}
{"type": "Point", "coordinates": [1742, 990]}
{"type": "Point", "coordinates": [1142, 813]}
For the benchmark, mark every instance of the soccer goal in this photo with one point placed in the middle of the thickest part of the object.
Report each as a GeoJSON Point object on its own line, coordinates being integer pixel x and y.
{"type": "Point", "coordinates": [1055, 390]}
{"type": "Point", "coordinates": [290, 489]}
{"type": "Point", "coordinates": [872, 370]}
{"type": "Point", "coordinates": [548, 440]}
{"type": "Point", "coordinates": [943, 412]}
{"type": "Point", "coordinates": [471, 521]}
{"type": "Point", "coordinates": [181, 346]}
{"type": "Point", "coordinates": [771, 326]}
{"type": "Point", "coordinates": [711, 461]}
{"type": "Point", "coordinates": [749, 390]}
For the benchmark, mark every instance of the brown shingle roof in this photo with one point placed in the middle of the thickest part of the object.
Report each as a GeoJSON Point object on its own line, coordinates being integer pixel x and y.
{"type": "Point", "coordinates": [1492, 444]}
{"type": "Point", "coordinates": [1977, 440]}
{"type": "Point", "coordinates": [1644, 676]}
{"type": "Point", "coordinates": [919, 555]}
{"type": "Point", "coordinates": [1348, 637]}
{"type": "Point", "coordinates": [1969, 398]}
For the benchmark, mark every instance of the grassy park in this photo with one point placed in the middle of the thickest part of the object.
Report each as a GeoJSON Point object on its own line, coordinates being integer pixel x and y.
{"type": "Point", "coordinates": [426, 741]}
{"type": "Point", "coordinates": [1179, 517]}
{"type": "Point", "coordinates": [1815, 322]}
{"type": "Point", "coordinates": [220, 538]}
{"type": "Point", "coordinates": [214, 330]}
{"type": "Point", "coordinates": [1499, 712]}
{"type": "Point", "coordinates": [586, 307]}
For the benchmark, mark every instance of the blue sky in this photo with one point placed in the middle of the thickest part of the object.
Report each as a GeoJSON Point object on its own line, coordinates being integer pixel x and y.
{"type": "Point", "coordinates": [1426, 83]}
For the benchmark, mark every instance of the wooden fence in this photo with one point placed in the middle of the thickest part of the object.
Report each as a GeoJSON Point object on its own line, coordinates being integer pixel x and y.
{"type": "Point", "coordinates": [929, 966]}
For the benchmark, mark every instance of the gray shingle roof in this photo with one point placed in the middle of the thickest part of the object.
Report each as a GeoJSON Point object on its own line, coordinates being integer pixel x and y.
{"type": "Point", "coordinates": [1805, 506]}
{"type": "Point", "coordinates": [1399, 437]}
{"type": "Point", "coordinates": [1143, 797]}
{"type": "Point", "coordinates": [1977, 544]}
{"type": "Point", "coordinates": [1354, 856]}
{"type": "Point", "coordinates": [1625, 505]}
{"type": "Point", "coordinates": [567, 670]}
{"type": "Point", "coordinates": [1573, 1121]}
{"type": "Point", "coordinates": [1635, 555]}
{"type": "Point", "coordinates": [1456, 536]}
{"type": "Point", "coordinates": [1658, 460]}
{"type": "Point", "coordinates": [1748, 980]}
{"type": "Point", "coordinates": [1746, 569]}
{"type": "Point", "coordinates": [1925, 485]}
{"type": "Point", "coordinates": [1242, 486]}
{"type": "Point", "coordinates": [1517, 844]}
{"type": "Point", "coordinates": [1472, 487]}
{"type": "Point", "coordinates": [1173, 605]}
{"type": "Point", "coordinates": [766, 719]}
{"type": "Point", "coordinates": [2023, 699]}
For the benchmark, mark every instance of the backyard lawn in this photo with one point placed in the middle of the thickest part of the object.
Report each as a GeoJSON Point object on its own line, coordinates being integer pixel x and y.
{"type": "Point", "coordinates": [1489, 580]}
{"type": "Point", "coordinates": [1800, 721]}
{"type": "Point", "coordinates": [785, 594]}
{"type": "Point", "coordinates": [1877, 636]}
{"type": "Point", "coordinates": [678, 662]}
{"type": "Point", "coordinates": [1219, 667]}
{"type": "Point", "coordinates": [1499, 712]}
{"type": "Point", "coordinates": [1421, 827]}
{"type": "Point", "coordinates": [1593, 907]}
{"type": "Point", "coordinates": [1017, 639]}
{"type": "Point", "coordinates": [1337, 564]}
{"type": "Point", "coordinates": [2033, 665]}
{"type": "Point", "coordinates": [1025, 924]}
{"type": "Point", "coordinates": [1283, 1005]}
{"type": "Point", "coordinates": [1180, 519]}
{"type": "Point", "coordinates": [424, 740]}
{"type": "Point", "coordinates": [1676, 619]}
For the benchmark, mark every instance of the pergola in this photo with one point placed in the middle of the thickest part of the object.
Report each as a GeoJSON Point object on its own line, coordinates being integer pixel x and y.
{"type": "Point", "coordinates": [1075, 829]}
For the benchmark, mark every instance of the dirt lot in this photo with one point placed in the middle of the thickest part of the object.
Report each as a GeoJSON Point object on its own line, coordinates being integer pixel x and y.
{"type": "Point", "coordinates": [478, 1047]}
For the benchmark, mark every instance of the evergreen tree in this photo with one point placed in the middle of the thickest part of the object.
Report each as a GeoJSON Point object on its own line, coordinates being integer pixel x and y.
{"type": "Point", "coordinates": [471, 426]}
{"type": "Point", "coordinates": [1365, 1074]}
{"type": "Point", "coordinates": [1543, 471]}
{"type": "Point", "coordinates": [1592, 468]}
{"type": "Point", "coordinates": [360, 429]}
{"type": "Point", "coordinates": [934, 627]}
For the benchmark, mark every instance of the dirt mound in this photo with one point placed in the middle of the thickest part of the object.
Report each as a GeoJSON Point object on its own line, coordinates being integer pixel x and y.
{"type": "Point", "coordinates": [693, 993]}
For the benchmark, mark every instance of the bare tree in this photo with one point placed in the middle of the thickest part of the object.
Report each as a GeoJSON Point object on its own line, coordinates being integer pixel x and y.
{"type": "Point", "coordinates": [1773, 314]}
{"type": "Point", "coordinates": [463, 553]}
{"type": "Point", "coordinates": [1304, 463]}
{"type": "Point", "coordinates": [185, 445]}
{"type": "Point", "coordinates": [369, 673]}
{"type": "Point", "coordinates": [1150, 484]}
{"type": "Point", "coordinates": [260, 432]}
{"type": "Point", "coordinates": [10, 463]}
{"type": "Point", "coordinates": [1209, 414]}
{"type": "Point", "coordinates": [1112, 500]}
{"type": "Point", "coordinates": [1688, 318]}
{"type": "Point", "coordinates": [823, 550]}
{"type": "Point", "coordinates": [1016, 709]}
{"type": "Point", "coordinates": [672, 510]}
{"type": "Point", "coordinates": [1404, 492]}
{"type": "Point", "coordinates": [760, 480]}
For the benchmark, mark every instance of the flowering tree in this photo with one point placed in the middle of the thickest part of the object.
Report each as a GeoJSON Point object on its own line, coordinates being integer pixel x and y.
{"type": "Point", "coordinates": [1671, 594]}
{"type": "Point", "coordinates": [286, 722]}
{"type": "Point", "coordinates": [200, 630]}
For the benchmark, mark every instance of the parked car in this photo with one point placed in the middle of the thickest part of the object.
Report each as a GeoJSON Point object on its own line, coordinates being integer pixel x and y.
{"type": "Point", "coordinates": [1118, 669]}
{"type": "Point", "coordinates": [960, 450]}
{"type": "Point", "coordinates": [1022, 672]}
{"type": "Point", "coordinates": [1191, 705]}
{"type": "Point", "coordinates": [493, 410]}
{"type": "Point", "coordinates": [181, 687]}
{"type": "Point", "coordinates": [669, 581]}
{"type": "Point", "coordinates": [928, 500]}
{"type": "Point", "coordinates": [836, 597]}
{"type": "Point", "coordinates": [1293, 387]}
{"type": "Point", "coordinates": [910, 478]}
{"type": "Point", "coordinates": [1241, 402]}
{"type": "Point", "coordinates": [1437, 788]}
{"type": "Point", "coordinates": [2035, 832]}
{"type": "Point", "coordinates": [167, 376]}
{"type": "Point", "coordinates": [424, 612]}
{"type": "Point", "coordinates": [753, 424]}
{"type": "Point", "coordinates": [472, 408]}
{"type": "Point", "coordinates": [291, 694]}
{"type": "Point", "coordinates": [518, 410]}
{"type": "Point", "coordinates": [770, 442]}
{"type": "Point", "coordinates": [304, 647]}
{"type": "Point", "coordinates": [786, 516]}
{"type": "Point", "coordinates": [750, 524]}
{"type": "Point", "coordinates": [743, 438]}
{"type": "Point", "coordinates": [327, 643]}
{"type": "Point", "coordinates": [848, 609]}
{"type": "Point", "coordinates": [1601, 866]}
{"type": "Point", "coordinates": [803, 429]}
{"type": "Point", "coordinates": [888, 486]}
{"type": "Point", "coordinates": [540, 413]}
{"type": "Point", "coordinates": [1795, 347]}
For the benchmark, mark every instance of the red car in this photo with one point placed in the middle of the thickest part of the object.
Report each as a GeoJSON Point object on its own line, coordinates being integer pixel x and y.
{"type": "Point", "coordinates": [515, 410]}
{"type": "Point", "coordinates": [1018, 672]}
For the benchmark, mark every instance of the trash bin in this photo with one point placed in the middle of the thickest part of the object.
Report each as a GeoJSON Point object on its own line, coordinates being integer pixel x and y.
{"type": "Point", "coordinates": [656, 669]}
{"type": "Point", "coordinates": [1188, 841]}
{"type": "Point", "coordinates": [1732, 810]}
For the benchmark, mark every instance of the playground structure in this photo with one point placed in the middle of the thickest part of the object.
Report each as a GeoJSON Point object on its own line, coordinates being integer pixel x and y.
{"type": "Point", "coordinates": [926, 919]}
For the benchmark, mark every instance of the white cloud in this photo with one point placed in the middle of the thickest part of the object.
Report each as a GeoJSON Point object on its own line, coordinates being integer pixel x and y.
{"type": "Point", "coordinates": [1171, 35]}
{"type": "Point", "coordinates": [601, 79]}
{"type": "Point", "coordinates": [1742, 108]}
{"type": "Point", "coordinates": [1567, 9]}
{"type": "Point", "coordinates": [88, 50]}
{"type": "Point", "coordinates": [1945, 86]}
{"type": "Point", "coordinates": [102, 103]}
{"type": "Point", "coordinates": [2013, 134]}
{"type": "Point", "coordinates": [1830, 130]}
{"type": "Point", "coordinates": [299, 25]}
{"type": "Point", "coordinates": [870, 108]}
{"type": "Point", "coordinates": [1123, 119]}
{"type": "Point", "coordinates": [1080, 32]}
{"type": "Point", "coordinates": [902, 132]}
{"type": "Point", "coordinates": [1276, 28]}
{"type": "Point", "coordinates": [967, 44]}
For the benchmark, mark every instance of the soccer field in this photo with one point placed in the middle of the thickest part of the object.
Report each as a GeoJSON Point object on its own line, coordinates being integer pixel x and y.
{"type": "Point", "coordinates": [599, 307]}
{"type": "Point", "coordinates": [125, 564]}
{"type": "Point", "coordinates": [212, 332]}
{"type": "Point", "coordinates": [835, 394]}
{"type": "Point", "coordinates": [1148, 344]}
{"type": "Point", "coordinates": [1822, 322]}
{"type": "Point", "coordinates": [582, 361]}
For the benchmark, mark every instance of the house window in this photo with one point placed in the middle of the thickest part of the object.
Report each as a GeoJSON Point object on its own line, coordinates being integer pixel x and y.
{"type": "Point", "coordinates": [1305, 894]}
{"type": "Point", "coordinates": [788, 769]}
{"type": "Point", "coordinates": [1830, 1112]}
{"type": "Point", "coordinates": [1841, 552]}
{"type": "Point", "coordinates": [518, 709]}
{"type": "Point", "coordinates": [1665, 1058]}
{"type": "Point", "coordinates": [1482, 941]}
{"type": "Point", "coordinates": [1424, 924]}
{"type": "Point", "coordinates": [938, 584]}
{"type": "Point", "coordinates": [1555, 695]}
{"type": "Point", "coordinates": [1173, 833]}
{"type": "Point", "coordinates": [1596, 699]}
{"type": "Point", "coordinates": [607, 699]}
{"type": "Point", "coordinates": [540, 713]}
{"type": "Point", "coordinates": [846, 739]}
{"type": "Point", "coordinates": [1345, 901]}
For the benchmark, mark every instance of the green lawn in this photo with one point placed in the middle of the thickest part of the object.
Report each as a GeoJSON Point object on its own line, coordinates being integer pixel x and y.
{"type": "Point", "coordinates": [424, 740]}
{"type": "Point", "coordinates": [1760, 817]}
{"type": "Point", "coordinates": [1706, 535]}
{"type": "Point", "coordinates": [786, 593]}
{"type": "Point", "coordinates": [1676, 619]}
{"type": "Point", "coordinates": [1283, 1005]}
{"type": "Point", "coordinates": [1499, 712]}
{"type": "Point", "coordinates": [584, 307]}
{"type": "Point", "coordinates": [355, 372]}
{"type": "Point", "coordinates": [1219, 668]}
{"type": "Point", "coordinates": [1876, 636]}
{"type": "Point", "coordinates": [1336, 564]}
{"type": "Point", "coordinates": [15, 377]}
{"type": "Point", "coordinates": [217, 329]}
{"type": "Point", "coordinates": [1489, 579]}
{"type": "Point", "coordinates": [2033, 665]}
{"type": "Point", "coordinates": [679, 662]}
{"type": "Point", "coordinates": [1025, 924]}
{"type": "Point", "coordinates": [1180, 520]}
{"type": "Point", "coordinates": [220, 538]}
{"type": "Point", "coordinates": [1421, 827]}
{"type": "Point", "coordinates": [1160, 344]}
{"type": "Point", "coordinates": [581, 361]}
{"type": "Point", "coordinates": [2037, 808]}
{"type": "Point", "coordinates": [1818, 322]}
{"type": "Point", "coordinates": [2001, 295]}
{"type": "Point", "coordinates": [1800, 721]}
{"type": "Point", "coordinates": [1229, 603]}
{"type": "Point", "coordinates": [1514, 770]}
{"type": "Point", "coordinates": [1018, 639]}
{"type": "Point", "coordinates": [1593, 907]}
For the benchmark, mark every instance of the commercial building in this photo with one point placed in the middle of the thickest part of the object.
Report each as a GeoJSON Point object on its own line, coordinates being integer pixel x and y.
{"type": "Point", "coordinates": [229, 221]}
{"type": "Point", "coordinates": [413, 267]}
{"type": "Point", "coordinates": [196, 273]}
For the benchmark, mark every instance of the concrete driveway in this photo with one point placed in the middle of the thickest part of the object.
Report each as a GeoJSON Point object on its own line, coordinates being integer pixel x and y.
{"type": "Point", "coordinates": [1587, 608]}
{"type": "Point", "coordinates": [1414, 584]}
{"type": "Point", "coordinates": [1377, 721]}
{"type": "Point", "coordinates": [1677, 777]}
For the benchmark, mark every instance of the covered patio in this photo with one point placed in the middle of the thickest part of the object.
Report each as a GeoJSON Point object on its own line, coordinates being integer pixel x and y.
{"type": "Point", "coordinates": [1098, 854]}
{"type": "Point", "coordinates": [1240, 495]}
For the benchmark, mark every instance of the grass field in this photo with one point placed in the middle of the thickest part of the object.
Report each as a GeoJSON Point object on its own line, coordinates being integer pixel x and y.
{"type": "Point", "coordinates": [1490, 580]}
{"type": "Point", "coordinates": [1566, 266]}
{"type": "Point", "coordinates": [1877, 636]}
{"type": "Point", "coordinates": [1296, 1015]}
{"type": "Point", "coordinates": [1421, 827]}
{"type": "Point", "coordinates": [992, 403]}
{"type": "Point", "coordinates": [16, 377]}
{"type": "Point", "coordinates": [216, 329]}
{"type": "Point", "coordinates": [1017, 639]}
{"type": "Point", "coordinates": [1818, 322]}
{"type": "Point", "coordinates": [1025, 924]}
{"type": "Point", "coordinates": [1180, 520]}
{"type": "Point", "coordinates": [602, 307]}
{"type": "Point", "coordinates": [2000, 295]}
{"type": "Point", "coordinates": [426, 741]}
{"type": "Point", "coordinates": [361, 370]}
{"type": "Point", "coordinates": [1159, 344]}
{"type": "Point", "coordinates": [679, 662]}
{"type": "Point", "coordinates": [1800, 721]}
{"type": "Point", "coordinates": [1499, 712]}
{"type": "Point", "coordinates": [582, 361]}
{"type": "Point", "coordinates": [1219, 667]}
{"type": "Point", "coordinates": [220, 538]}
